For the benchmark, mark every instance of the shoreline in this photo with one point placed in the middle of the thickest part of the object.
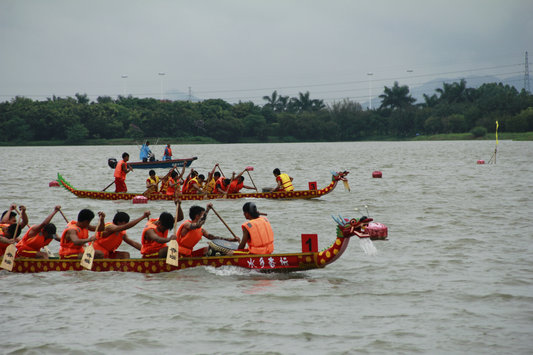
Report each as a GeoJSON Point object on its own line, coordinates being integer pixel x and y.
{"type": "Point", "coordinates": [518, 136]}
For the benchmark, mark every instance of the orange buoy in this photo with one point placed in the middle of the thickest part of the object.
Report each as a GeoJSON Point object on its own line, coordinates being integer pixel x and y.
{"type": "Point", "coordinates": [53, 183]}
{"type": "Point", "coordinates": [376, 174]}
{"type": "Point", "coordinates": [140, 199]}
{"type": "Point", "coordinates": [481, 161]}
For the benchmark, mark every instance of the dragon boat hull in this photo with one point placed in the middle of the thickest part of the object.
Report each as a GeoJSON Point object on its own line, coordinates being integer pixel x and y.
{"type": "Point", "coordinates": [286, 262]}
{"type": "Point", "coordinates": [280, 262]}
{"type": "Point", "coordinates": [296, 194]}
{"type": "Point", "coordinates": [156, 164]}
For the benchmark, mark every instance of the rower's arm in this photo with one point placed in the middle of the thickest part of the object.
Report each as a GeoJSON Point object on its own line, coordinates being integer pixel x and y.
{"type": "Point", "coordinates": [131, 242]}
{"type": "Point", "coordinates": [71, 234]}
{"type": "Point", "coordinates": [151, 235]}
{"type": "Point", "coordinates": [245, 237]}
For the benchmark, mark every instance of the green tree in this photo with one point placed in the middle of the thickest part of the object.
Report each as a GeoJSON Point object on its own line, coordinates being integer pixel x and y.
{"type": "Point", "coordinates": [396, 97]}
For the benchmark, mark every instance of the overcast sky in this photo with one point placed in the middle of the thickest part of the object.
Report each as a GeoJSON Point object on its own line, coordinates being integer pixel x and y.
{"type": "Point", "coordinates": [245, 49]}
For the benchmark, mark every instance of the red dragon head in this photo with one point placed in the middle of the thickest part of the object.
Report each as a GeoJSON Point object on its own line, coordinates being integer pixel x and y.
{"type": "Point", "coordinates": [349, 227]}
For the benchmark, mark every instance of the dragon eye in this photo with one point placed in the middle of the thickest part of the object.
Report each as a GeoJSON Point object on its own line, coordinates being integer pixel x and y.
{"type": "Point", "coordinates": [353, 221]}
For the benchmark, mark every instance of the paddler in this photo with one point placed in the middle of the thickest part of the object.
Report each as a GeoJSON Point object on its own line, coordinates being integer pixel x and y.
{"type": "Point", "coordinates": [154, 235]}
{"type": "Point", "coordinates": [37, 237]}
{"type": "Point", "coordinates": [256, 232]}
{"type": "Point", "coordinates": [237, 183]}
{"type": "Point", "coordinates": [121, 170]}
{"type": "Point", "coordinates": [8, 235]}
{"type": "Point", "coordinates": [152, 183]}
{"type": "Point", "coordinates": [211, 181]}
{"type": "Point", "coordinates": [108, 241]}
{"type": "Point", "coordinates": [9, 217]}
{"type": "Point", "coordinates": [190, 232]}
{"type": "Point", "coordinates": [284, 181]}
{"type": "Point", "coordinates": [194, 183]}
{"type": "Point", "coordinates": [76, 234]}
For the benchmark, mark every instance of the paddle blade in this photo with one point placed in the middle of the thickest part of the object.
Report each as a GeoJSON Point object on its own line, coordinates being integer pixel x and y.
{"type": "Point", "coordinates": [9, 257]}
{"type": "Point", "coordinates": [249, 168]}
{"type": "Point", "coordinates": [172, 253]}
{"type": "Point", "coordinates": [88, 258]}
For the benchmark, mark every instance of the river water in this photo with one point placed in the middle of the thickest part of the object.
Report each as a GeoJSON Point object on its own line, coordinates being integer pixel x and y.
{"type": "Point", "coordinates": [455, 276]}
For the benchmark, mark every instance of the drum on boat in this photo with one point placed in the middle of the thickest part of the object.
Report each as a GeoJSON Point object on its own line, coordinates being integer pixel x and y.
{"type": "Point", "coordinates": [218, 247]}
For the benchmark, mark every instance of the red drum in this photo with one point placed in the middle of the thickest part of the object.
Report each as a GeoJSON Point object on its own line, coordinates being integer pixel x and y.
{"type": "Point", "coordinates": [377, 230]}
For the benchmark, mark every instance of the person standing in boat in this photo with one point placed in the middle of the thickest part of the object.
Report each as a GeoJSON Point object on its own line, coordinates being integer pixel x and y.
{"type": "Point", "coordinates": [191, 232]}
{"type": "Point", "coordinates": [167, 154]}
{"type": "Point", "coordinates": [121, 170]}
{"type": "Point", "coordinates": [107, 242]}
{"type": "Point", "coordinates": [154, 235]}
{"type": "Point", "coordinates": [37, 237]}
{"type": "Point", "coordinates": [256, 232]}
{"type": "Point", "coordinates": [76, 234]}
{"type": "Point", "coordinates": [284, 181]}
{"type": "Point", "coordinates": [145, 153]}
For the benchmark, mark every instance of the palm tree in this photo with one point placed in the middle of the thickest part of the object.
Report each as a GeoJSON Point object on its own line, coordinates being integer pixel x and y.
{"type": "Point", "coordinates": [272, 101]}
{"type": "Point", "coordinates": [455, 92]}
{"type": "Point", "coordinates": [396, 97]}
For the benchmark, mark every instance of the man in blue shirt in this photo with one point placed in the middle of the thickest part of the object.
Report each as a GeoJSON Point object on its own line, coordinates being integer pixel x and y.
{"type": "Point", "coordinates": [146, 154]}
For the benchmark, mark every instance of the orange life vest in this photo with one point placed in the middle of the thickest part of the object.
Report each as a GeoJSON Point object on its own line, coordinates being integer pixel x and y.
{"type": "Point", "coordinates": [188, 241]}
{"type": "Point", "coordinates": [261, 239]}
{"type": "Point", "coordinates": [119, 173]}
{"type": "Point", "coordinates": [235, 186]}
{"type": "Point", "coordinates": [151, 246]}
{"type": "Point", "coordinates": [219, 185]}
{"type": "Point", "coordinates": [168, 152]}
{"type": "Point", "coordinates": [110, 243]}
{"type": "Point", "coordinates": [188, 186]}
{"type": "Point", "coordinates": [286, 183]}
{"type": "Point", "coordinates": [34, 243]}
{"type": "Point", "coordinates": [67, 247]}
{"type": "Point", "coordinates": [170, 189]}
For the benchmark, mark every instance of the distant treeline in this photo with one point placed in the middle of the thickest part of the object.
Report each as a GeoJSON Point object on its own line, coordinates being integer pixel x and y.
{"type": "Point", "coordinates": [454, 108]}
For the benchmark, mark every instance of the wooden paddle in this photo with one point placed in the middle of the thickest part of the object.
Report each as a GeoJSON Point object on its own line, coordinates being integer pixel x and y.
{"type": "Point", "coordinates": [238, 239]}
{"type": "Point", "coordinates": [88, 255]}
{"type": "Point", "coordinates": [108, 186]}
{"type": "Point", "coordinates": [173, 246]}
{"type": "Point", "coordinates": [248, 169]}
{"type": "Point", "coordinates": [9, 255]}
{"type": "Point", "coordinates": [65, 218]}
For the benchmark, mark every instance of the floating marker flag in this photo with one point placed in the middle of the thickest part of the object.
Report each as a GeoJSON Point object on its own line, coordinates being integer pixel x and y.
{"type": "Point", "coordinates": [496, 132]}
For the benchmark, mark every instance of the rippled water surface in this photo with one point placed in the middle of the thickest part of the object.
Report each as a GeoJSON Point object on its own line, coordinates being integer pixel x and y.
{"type": "Point", "coordinates": [455, 276]}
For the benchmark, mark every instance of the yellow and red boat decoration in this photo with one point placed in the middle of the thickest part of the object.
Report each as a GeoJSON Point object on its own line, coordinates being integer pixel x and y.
{"type": "Point", "coordinates": [280, 262]}
{"type": "Point", "coordinates": [295, 194]}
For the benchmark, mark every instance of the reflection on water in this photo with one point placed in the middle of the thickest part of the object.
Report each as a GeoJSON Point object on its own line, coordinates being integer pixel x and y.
{"type": "Point", "coordinates": [454, 276]}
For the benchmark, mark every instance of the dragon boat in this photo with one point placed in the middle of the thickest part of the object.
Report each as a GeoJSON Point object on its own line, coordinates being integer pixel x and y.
{"type": "Point", "coordinates": [156, 164]}
{"type": "Point", "coordinates": [309, 258]}
{"type": "Point", "coordinates": [296, 194]}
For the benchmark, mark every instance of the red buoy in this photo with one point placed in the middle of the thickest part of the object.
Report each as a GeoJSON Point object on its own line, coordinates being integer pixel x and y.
{"type": "Point", "coordinates": [376, 174]}
{"type": "Point", "coordinates": [53, 183]}
{"type": "Point", "coordinates": [140, 199]}
{"type": "Point", "coordinates": [481, 161]}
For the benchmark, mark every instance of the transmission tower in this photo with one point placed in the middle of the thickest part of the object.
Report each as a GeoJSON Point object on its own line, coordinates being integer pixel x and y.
{"type": "Point", "coordinates": [526, 75]}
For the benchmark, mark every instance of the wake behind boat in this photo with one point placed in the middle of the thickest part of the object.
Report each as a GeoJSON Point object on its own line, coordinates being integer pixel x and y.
{"type": "Point", "coordinates": [295, 194]}
{"type": "Point", "coordinates": [310, 258]}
